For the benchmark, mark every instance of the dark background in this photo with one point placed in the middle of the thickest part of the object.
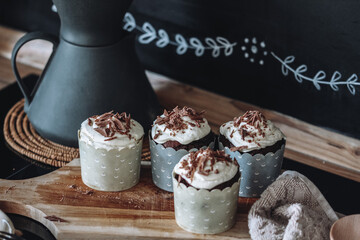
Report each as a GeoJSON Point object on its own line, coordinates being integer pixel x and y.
{"type": "Point", "coordinates": [323, 35]}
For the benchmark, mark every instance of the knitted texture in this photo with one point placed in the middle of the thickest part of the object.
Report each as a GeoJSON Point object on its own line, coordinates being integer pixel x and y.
{"type": "Point", "coordinates": [291, 208]}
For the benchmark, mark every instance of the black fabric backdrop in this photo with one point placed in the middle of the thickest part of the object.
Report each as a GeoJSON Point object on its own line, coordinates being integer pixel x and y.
{"type": "Point", "coordinates": [297, 57]}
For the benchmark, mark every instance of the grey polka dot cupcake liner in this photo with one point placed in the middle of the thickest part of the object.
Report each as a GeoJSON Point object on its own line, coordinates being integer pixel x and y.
{"type": "Point", "coordinates": [113, 170]}
{"type": "Point", "coordinates": [258, 171]}
{"type": "Point", "coordinates": [163, 161]}
{"type": "Point", "coordinates": [203, 211]}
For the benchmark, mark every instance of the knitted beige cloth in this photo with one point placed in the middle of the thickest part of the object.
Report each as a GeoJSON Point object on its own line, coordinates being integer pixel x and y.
{"type": "Point", "coordinates": [292, 207]}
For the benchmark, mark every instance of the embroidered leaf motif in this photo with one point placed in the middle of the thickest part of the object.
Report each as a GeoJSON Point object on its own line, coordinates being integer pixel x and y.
{"type": "Point", "coordinates": [215, 48]}
{"type": "Point", "coordinates": [130, 23]}
{"type": "Point", "coordinates": [149, 33]}
{"type": "Point", "coordinates": [299, 70]}
{"type": "Point", "coordinates": [228, 47]}
{"type": "Point", "coordinates": [287, 60]}
{"type": "Point", "coordinates": [335, 77]}
{"type": "Point", "coordinates": [163, 39]}
{"type": "Point", "coordinates": [349, 83]}
{"type": "Point", "coordinates": [199, 47]}
{"type": "Point", "coordinates": [320, 75]}
{"type": "Point", "coordinates": [183, 46]}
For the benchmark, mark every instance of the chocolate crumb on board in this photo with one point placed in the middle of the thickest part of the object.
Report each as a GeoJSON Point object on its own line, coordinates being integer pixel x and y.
{"type": "Point", "coordinates": [9, 189]}
{"type": "Point", "coordinates": [54, 218]}
{"type": "Point", "coordinates": [73, 186]}
{"type": "Point", "coordinates": [88, 192]}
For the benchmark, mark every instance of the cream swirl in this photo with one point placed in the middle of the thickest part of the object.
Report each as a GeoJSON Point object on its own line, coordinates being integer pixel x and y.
{"type": "Point", "coordinates": [118, 141]}
{"type": "Point", "coordinates": [251, 134]}
{"type": "Point", "coordinates": [181, 125]}
{"type": "Point", "coordinates": [206, 168]}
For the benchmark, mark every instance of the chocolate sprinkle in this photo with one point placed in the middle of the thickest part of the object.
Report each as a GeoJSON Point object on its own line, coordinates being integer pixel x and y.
{"type": "Point", "coordinates": [157, 134]}
{"type": "Point", "coordinates": [110, 123]}
{"type": "Point", "coordinates": [109, 139]}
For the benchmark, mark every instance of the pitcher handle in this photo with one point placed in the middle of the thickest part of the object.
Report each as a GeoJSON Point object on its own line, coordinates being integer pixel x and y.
{"type": "Point", "coordinates": [24, 39]}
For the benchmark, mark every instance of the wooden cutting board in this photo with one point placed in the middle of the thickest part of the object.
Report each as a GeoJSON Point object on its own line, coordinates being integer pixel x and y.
{"type": "Point", "coordinates": [143, 211]}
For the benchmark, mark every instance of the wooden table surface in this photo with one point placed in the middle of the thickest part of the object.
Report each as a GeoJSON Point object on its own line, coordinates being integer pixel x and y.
{"type": "Point", "coordinates": [306, 143]}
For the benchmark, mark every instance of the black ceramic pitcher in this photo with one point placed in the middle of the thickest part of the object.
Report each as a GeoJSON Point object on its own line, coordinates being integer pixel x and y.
{"type": "Point", "coordinates": [93, 69]}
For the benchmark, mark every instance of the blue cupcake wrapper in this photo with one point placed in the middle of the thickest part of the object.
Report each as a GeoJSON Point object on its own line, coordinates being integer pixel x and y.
{"type": "Point", "coordinates": [258, 171]}
{"type": "Point", "coordinates": [163, 161]}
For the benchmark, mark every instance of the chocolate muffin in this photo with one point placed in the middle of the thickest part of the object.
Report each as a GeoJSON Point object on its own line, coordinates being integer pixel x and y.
{"type": "Point", "coordinates": [258, 146]}
{"type": "Point", "coordinates": [182, 129]}
{"type": "Point", "coordinates": [251, 133]}
{"type": "Point", "coordinates": [172, 136]}
{"type": "Point", "coordinates": [206, 186]}
{"type": "Point", "coordinates": [110, 151]}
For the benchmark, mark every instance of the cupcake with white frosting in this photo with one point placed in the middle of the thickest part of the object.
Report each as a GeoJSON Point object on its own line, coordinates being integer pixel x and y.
{"type": "Point", "coordinates": [110, 151]}
{"type": "Point", "coordinates": [258, 145]}
{"type": "Point", "coordinates": [173, 135]}
{"type": "Point", "coordinates": [206, 186]}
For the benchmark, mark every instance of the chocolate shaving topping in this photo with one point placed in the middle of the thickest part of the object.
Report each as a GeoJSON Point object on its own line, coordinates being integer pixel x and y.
{"type": "Point", "coordinates": [199, 160]}
{"type": "Point", "coordinates": [252, 118]}
{"type": "Point", "coordinates": [90, 122]}
{"type": "Point", "coordinates": [243, 133]}
{"type": "Point", "coordinates": [109, 139]}
{"type": "Point", "coordinates": [109, 123]}
{"type": "Point", "coordinates": [173, 119]}
{"type": "Point", "coordinates": [157, 134]}
{"type": "Point", "coordinates": [101, 131]}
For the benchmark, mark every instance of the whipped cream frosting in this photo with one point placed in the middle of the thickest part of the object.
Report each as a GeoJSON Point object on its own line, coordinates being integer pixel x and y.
{"type": "Point", "coordinates": [118, 141]}
{"type": "Point", "coordinates": [251, 134]}
{"type": "Point", "coordinates": [190, 130]}
{"type": "Point", "coordinates": [217, 171]}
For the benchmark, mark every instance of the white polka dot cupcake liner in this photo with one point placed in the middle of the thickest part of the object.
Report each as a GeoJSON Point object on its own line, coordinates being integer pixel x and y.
{"type": "Point", "coordinates": [163, 161]}
{"type": "Point", "coordinates": [113, 170]}
{"type": "Point", "coordinates": [258, 171]}
{"type": "Point", "coordinates": [203, 211]}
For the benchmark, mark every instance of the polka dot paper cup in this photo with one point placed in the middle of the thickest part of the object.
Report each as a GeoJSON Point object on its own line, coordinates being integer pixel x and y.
{"type": "Point", "coordinates": [258, 171]}
{"type": "Point", "coordinates": [203, 211]}
{"type": "Point", "coordinates": [163, 161]}
{"type": "Point", "coordinates": [110, 170]}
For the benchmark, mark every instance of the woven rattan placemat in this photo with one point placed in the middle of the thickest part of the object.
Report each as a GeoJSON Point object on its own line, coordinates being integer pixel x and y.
{"type": "Point", "coordinates": [23, 138]}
